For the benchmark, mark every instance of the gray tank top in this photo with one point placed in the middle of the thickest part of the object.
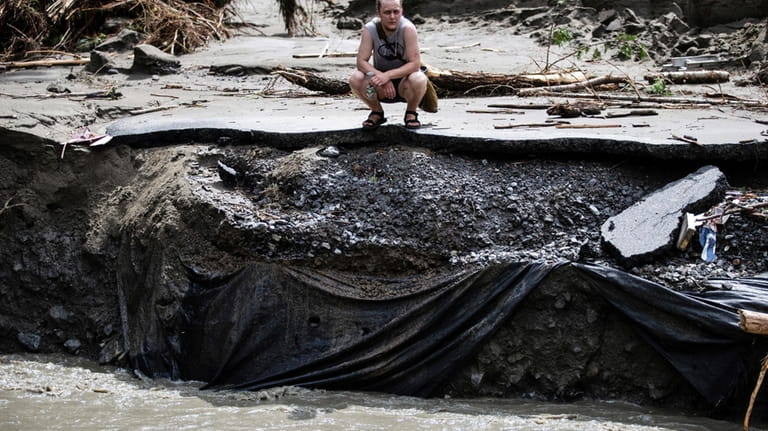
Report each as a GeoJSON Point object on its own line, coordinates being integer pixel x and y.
{"type": "Point", "coordinates": [390, 53]}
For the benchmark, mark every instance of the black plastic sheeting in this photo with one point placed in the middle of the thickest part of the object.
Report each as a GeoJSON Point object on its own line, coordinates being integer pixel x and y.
{"type": "Point", "coordinates": [270, 325]}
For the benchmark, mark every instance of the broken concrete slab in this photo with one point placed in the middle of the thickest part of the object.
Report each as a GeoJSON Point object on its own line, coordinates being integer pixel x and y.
{"type": "Point", "coordinates": [650, 226]}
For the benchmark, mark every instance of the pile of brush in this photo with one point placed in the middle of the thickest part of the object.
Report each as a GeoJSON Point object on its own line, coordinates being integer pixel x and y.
{"type": "Point", "coordinates": [175, 26]}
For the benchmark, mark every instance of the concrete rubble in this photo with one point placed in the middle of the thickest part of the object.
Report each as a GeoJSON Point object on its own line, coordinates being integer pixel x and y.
{"type": "Point", "coordinates": [650, 226]}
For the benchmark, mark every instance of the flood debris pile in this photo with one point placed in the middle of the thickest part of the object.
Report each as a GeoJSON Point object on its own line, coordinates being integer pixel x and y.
{"type": "Point", "coordinates": [176, 26]}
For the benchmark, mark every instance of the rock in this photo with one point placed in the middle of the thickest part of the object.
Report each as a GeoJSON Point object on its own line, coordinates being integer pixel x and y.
{"type": "Point", "coordinates": [57, 88]}
{"type": "Point", "coordinates": [100, 62]}
{"type": "Point", "coordinates": [58, 312]}
{"type": "Point", "coordinates": [606, 16]}
{"type": "Point", "coordinates": [539, 20]}
{"type": "Point", "coordinates": [330, 151]}
{"type": "Point", "coordinates": [30, 341]}
{"type": "Point", "coordinates": [111, 352]}
{"type": "Point", "coordinates": [650, 227]}
{"type": "Point", "coordinates": [151, 60]}
{"type": "Point", "coordinates": [72, 345]}
{"type": "Point", "coordinates": [124, 41]}
{"type": "Point", "coordinates": [615, 25]}
{"type": "Point", "coordinates": [673, 22]}
{"type": "Point", "coordinates": [630, 17]}
{"type": "Point", "coordinates": [349, 23]}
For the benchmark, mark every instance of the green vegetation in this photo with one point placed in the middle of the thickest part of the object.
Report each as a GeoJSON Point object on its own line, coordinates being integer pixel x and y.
{"type": "Point", "coordinates": [658, 88]}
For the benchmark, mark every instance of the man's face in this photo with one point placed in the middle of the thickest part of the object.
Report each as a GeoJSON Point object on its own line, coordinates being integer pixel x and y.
{"type": "Point", "coordinates": [390, 13]}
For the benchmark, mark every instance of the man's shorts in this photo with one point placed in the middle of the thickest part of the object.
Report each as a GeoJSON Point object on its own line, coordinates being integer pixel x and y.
{"type": "Point", "coordinates": [398, 97]}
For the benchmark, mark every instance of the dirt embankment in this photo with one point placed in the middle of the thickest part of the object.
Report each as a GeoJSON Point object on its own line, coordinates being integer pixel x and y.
{"type": "Point", "coordinates": [89, 219]}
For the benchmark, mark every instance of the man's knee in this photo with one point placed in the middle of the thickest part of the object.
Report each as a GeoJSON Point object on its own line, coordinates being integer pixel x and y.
{"type": "Point", "coordinates": [356, 77]}
{"type": "Point", "coordinates": [418, 79]}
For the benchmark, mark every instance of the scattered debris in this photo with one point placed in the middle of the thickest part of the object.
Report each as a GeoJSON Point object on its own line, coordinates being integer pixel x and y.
{"type": "Point", "coordinates": [87, 138]}
{"type": "Point", "coordinates": [588, 126]}
{"type": "Point", "coordinates": [633, 113]}
{"type": "Point", "coordinates": [591, 83]}
{"type": "Point", "coordinates": [686, 138]}
{"type": "Point", "coordinates": [44, 63]}
{"type": "Point", "coordinates": [647, 227]}
{"type": "Point", "coordinates": [545, 124]}
{"type": "Point", "coordinates": [573, 110]}
{"type": "Point", "coordinates": [692, 62]}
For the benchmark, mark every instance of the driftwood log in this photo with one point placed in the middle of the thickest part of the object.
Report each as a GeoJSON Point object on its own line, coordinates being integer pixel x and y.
{"type": "Point", "coordinates": [753, 322]}
{"type": "Point", "coordinates": [446, 82]}
{"type": "Point", "coordinates": [692, 77]}
{"type": "Point", "coordinates": [589, 83]}
{"type": "Point", "coordinates": [312, 81]}
{"type": "Point", "coordinates": [453, 81]}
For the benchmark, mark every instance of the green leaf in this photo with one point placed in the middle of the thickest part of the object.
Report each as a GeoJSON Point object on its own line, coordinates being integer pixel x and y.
{"type": "Point", "coordinates": [561, 36]}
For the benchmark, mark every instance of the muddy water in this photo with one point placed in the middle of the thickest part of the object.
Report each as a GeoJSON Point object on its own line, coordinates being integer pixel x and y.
{"type": "Point", "coordinates": [63, 393]}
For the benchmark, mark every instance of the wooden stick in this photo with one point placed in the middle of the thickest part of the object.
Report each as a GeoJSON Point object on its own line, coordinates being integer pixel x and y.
{"type": "Point", "coordinates": [493, 111]}
{"type": "Point", "coordinates": [636, 113]}
{"type": "Point", "coordinates": [753, 322]}
{"type": "Point", "coordinates": [686, 138]}
{"type": "Point", "coordinates": [587, 126]}
{"type": "Point", "coordinates": [519, 106]}
{"type": "Point", "coordinates": [514, 126]}
{"type": "Point", "coordinates": [463, 46]}
{"type": "Point", "coordinates": [754, 392]}
{"type": "Point", "coordinates": [607, 79]}
{"type": "Point", "coordinates": [326, 55]}
{"type": "Point", "coordinates": [43, 63]}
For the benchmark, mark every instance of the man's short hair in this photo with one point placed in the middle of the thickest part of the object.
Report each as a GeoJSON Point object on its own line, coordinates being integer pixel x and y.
{"type": "Point", "coordinates": [378, 4]}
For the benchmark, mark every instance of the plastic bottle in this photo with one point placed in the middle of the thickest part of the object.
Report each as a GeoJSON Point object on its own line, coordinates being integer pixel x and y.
{"type": "Point", "coordinates": [370, 92]}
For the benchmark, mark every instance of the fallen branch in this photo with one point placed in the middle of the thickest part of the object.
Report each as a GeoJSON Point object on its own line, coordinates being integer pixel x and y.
{"type": "Point", "coordinates": [493, 111]}
{"type": "Point", "coordinates": [520, 106]}
{"type": "Point", "coordinates": [327, 55]}
{"type": "Point", "coordinates": [8, 205]}
{"type": "Point", "coordinates": [313, 82]}
{"type": "Point", "coordinates": [588, 126]}
{"type": "Point", "coordinates": [754, 393]}
{"type": "Point", "coordinates": [607, 79]}
{"type": "Point", "coordinates": [112, 93]}
{"type": "Point", "coordinates": [471, 45]}
{"type": "Point", "coordinates": [515, 126]}
{"type": "Point", "coordinates": [636, 113]}
{"type": "Point", "coordinates": [43, 63]}
{"type": "Point", "coordinates": [686, 138]}
{"type": "Point", "coordinates": [195, 104]}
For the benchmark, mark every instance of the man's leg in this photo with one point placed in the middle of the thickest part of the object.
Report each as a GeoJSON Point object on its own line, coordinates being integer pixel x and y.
{"type": "Point", "coordinates": [412, 89]}
{"type": "Point", "coordinates": [357, 84]}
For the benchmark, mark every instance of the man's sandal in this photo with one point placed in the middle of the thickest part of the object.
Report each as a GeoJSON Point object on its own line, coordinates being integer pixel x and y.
{"type": "Point", "coordinates": [374, 120]}
{"type": "Point", "coordinates": [412, 123]}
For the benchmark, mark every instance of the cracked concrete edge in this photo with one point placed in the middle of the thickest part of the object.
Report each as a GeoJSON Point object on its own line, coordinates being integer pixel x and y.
{"type": "Point", "coordinates": [398, 135]}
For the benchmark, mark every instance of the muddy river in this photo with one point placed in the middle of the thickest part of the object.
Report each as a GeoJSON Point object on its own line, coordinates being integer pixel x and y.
{"type": "Point", "coordinates": [64, 393]}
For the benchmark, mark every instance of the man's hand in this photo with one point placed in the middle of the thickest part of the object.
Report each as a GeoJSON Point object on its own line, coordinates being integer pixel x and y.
{"type": "Point", "coordinates": [380, 80]}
